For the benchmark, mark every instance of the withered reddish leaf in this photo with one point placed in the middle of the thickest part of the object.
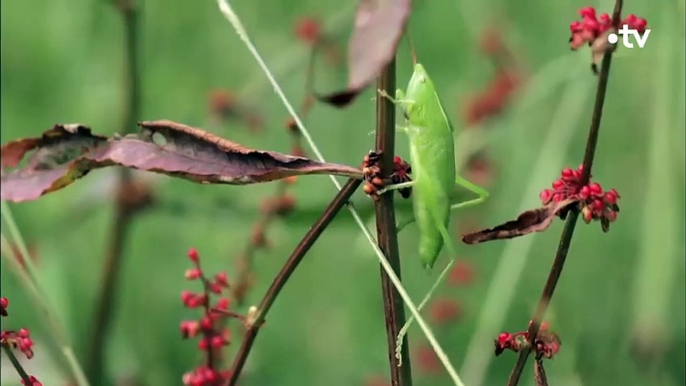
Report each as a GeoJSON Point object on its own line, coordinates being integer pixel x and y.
{"type": "Point", "coordinates": [379, 24]}
{"type": "Point", "coordinates": [162, 147]}
{"type": "Point", "coordinates": [50, 167]}
{"type": "Point", "coordinates": [534, 220]}
{"type": "Point", "coordinates": [199, 156]}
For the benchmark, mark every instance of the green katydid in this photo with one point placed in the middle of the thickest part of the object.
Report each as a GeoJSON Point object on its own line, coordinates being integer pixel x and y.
{"type": "Point", "coordinates": [434, 174]}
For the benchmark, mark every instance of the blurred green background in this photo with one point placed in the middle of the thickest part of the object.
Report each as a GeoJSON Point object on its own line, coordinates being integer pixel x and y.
{"type": "Point", "coordinates": [619, 307]}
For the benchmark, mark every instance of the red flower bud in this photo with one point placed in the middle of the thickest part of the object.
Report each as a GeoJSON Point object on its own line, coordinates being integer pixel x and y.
{"type": "Point", "coordinates": [193, 255]}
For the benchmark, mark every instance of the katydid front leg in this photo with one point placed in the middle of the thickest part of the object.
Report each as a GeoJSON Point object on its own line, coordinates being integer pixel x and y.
{"type": "Point", "coordinates": [483, 195]}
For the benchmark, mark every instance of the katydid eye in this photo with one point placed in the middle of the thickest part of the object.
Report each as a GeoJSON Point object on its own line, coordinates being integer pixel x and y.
{"type": "Point", "coordinates": [422, 79]}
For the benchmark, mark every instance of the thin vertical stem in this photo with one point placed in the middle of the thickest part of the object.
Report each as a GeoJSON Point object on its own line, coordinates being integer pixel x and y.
{"type": "Point", "coordinates": [125, 206]}
{"type": "Point", "coordinates": [568, 230]}
{"type": "Point", "coordinates": [394, 311]}
{"type": "Point", "coordinates": [17, 366]}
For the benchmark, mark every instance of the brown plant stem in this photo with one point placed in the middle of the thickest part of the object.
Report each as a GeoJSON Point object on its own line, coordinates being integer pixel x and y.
{"type": "Point", "coordinates": [256, 318]}
{"type": "Point", "coordinates": [126, 205]}
{"type": "Point", "coordinates": [394, 307]}
{"type": "Point", "coordinates": [17, 366]}
{"type": "Point", "coordinates": [570, 224]}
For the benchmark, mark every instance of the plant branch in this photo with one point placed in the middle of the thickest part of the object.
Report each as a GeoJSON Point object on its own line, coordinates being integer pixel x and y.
{"type": "Point", "coordinates": [17, 366]}
{"type": "Point", "coordinates": [570, 224]}
{"type": "Point", "coordinates": [127, 201]}
{"type": "Point", "coordinates": [394, 308]}
{"type": "Point", "coordinates": [256, 318]}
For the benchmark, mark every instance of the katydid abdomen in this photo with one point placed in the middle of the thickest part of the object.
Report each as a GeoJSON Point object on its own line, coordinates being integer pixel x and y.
{"type": "Point", "coordinates": [433, 184]}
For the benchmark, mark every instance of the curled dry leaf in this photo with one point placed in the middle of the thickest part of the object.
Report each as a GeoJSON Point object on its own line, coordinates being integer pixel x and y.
{"type": "Point", "coordinates": [164, 147]}
{"type": "Point", "coordinates": [175, 149]}
{"type": "Point", "coordinates": [51, 166]}
{"type": "Point", "coordinates": [379, 24]}
{"type": "Point", "coordinates": [534, 220]}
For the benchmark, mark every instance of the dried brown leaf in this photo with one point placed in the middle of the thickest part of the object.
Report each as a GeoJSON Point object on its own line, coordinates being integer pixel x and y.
{"type": "Point", "coordinates": [379, 24]}
{"type": "Point", "coordinates": [534, 220]}
{"type": "Point", "coordinates": [50, 167]}
{"type": "Point", "coordinates": [164, 147]}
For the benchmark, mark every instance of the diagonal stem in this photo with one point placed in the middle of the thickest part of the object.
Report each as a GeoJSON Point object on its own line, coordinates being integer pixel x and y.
{"type": "Point", "coordinates": [570, 224]}
{"type": "Point", "coordinates": [256, 317]}
{"type": "Point", "coordinates": [17, 366]}
{"type": "Point", "coordinates": [394, 311]}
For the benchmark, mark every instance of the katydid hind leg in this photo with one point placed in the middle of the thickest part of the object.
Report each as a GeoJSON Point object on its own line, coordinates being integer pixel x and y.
{"type": "Point", "coordinates": [451, 250]}
{"type": "Point", "coordinates": [481, 192]}
{"type": "Point", "coordinates": [401, 225]}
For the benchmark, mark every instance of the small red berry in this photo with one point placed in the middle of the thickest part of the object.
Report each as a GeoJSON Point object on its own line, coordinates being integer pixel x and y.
{"type": "Point", "coordinates": [223, 303]}
{"type": "Point", "coordinates": [186, 296]}
{"type": "Point", "coordinates": [611, 215]}
{"type": "Point", "coordinates": [558, 184]}
{"type": "Point", "coordinates": [504, 338]}
{"type": "Point", "coordinates": [217, 342]}
{"type": "Point", "coordinates": [598, 205]}
{"type": "Point", "coordinates": [206, 323]}
{"type": "Point", "coordinates": [585, 192]}
{"type": "Point", "coordinates": [610, 198]}
{"type": "Point", "coordinates": [189, 329]}
{"type": "Point", "coordinates": [596, 189]}
{"type": "Point", "coordinates": [216, 288]}
{"type": "Point", "coordinates": [193, 255]}
{"type": "Point", "coordinates": [4, 303]}
{"type": "Point", "coordinates": [545, 196]}
{"type": "Point", "coordinates": [193, 274]}
{"type": "Point", "coordinates": [587, 12]}
{"type": "Point", "coordinates": [587, 214]}
{"type": "Point", "coordinates": [222, 279]}
{"type": "Point", "coordinates": [567, 173]}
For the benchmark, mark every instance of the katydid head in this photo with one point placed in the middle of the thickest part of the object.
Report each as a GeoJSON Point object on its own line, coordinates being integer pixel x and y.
{"type": "Point", "coordinates": [420, 90]}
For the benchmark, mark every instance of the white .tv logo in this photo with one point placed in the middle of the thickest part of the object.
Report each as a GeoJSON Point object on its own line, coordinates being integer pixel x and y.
{"type": "Point", "coordinates": [625, 31]}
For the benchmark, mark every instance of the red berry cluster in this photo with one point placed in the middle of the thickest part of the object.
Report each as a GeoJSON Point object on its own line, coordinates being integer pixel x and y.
{"type": "Point", "coordinates": [213, 335]}
{"type": "Point", "coordinates": [591, 26]}
{"type": "Point", "coordinates": [596, 204]}
{"type": "Point", "coordinates": [372, 172]}
{"type": "Point", "coordinates": [20, 340]}
{"type": "Point", "coordinates": [547, 343]}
